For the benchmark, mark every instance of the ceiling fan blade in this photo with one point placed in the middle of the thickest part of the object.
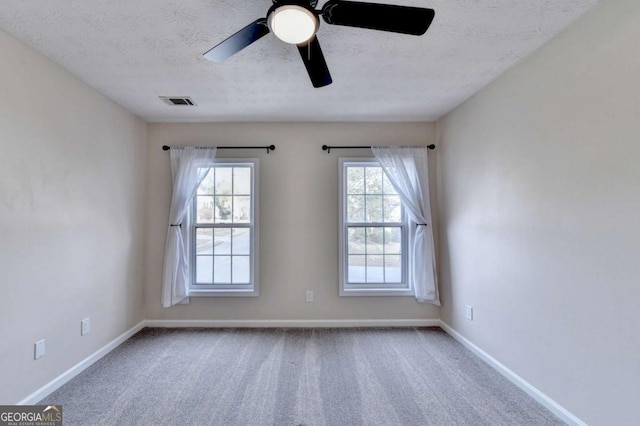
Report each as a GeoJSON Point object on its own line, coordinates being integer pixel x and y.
{"type": "Point", "coordinates": [313, 59]}
{"type": "Point", "coordinates": [383, 17]}
{"type": "Point", "coordinates": [243, 38]}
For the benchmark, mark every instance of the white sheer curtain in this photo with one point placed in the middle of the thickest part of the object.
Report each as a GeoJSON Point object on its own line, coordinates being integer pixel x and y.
{"type": "Point", "coordinates": [188, 169]}
{"type": "Point", "coordinates": [408, 171]}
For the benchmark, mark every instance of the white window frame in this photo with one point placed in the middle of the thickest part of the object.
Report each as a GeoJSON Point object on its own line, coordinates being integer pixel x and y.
{"type": "Point", "coordinates": [367, 289]}
{"type": "Point", "coordinates": [230, 290]}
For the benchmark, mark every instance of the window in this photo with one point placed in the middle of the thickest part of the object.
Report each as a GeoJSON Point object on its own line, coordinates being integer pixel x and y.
{"type": "Point", "coordinates": [225, 233]}
{"type": "Point", "coordinates": [373, 232]}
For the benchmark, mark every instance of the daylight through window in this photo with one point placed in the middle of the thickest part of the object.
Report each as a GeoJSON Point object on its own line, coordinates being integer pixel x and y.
{"type": "Point", "coordinates": [224, 232]}
{"type": "Point", "coordinates": [373, 231]}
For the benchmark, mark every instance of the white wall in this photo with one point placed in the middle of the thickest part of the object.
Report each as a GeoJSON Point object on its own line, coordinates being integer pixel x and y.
{"type": "Point", "coordinates": [540, 217]}
{"type": "Point", "coordinates": [72, 182]}
{"type": "Point", "coordinates": [298, 219]}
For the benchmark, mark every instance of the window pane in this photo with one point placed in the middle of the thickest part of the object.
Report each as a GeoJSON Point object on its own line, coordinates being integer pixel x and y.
{"type": "Point", "coordinates": [373, 180]}
{"type": "Point", "coordinates": [222, 241]}
{"type": "Point", "coordinates": [374, 208]}
{"type": "Point", "coordinates": [242, 181]}
{"type": "Point", "coordinates": [223, 180]}
{"type": "Point", "coordinates": [241, 241]}
{"type": "Point", "coordinates": [392, 208]}
{"type": "Point", "coordinates": [241, 270]}
{"type": "Point", "coordinates": [355, 208]}
{"type": "Point", "coordinates": [222, 209]}
{"type": "Point", "coordinates": [374, 252]}
{"type": "Point", "coordinates": [204, 213]}
{"type": "Point", "coordinates": [242, 209]}
{"type": "Point", "coordinates": [223, 253]}
{"type": "Point", "coordinates": [393, 269]}
{"type": "Point", "coordinates": [355, 240]}
{"type": "Point", "coordinates": [386, 185]}
{"type": "Point", "coordinates": [375, 270]}
{"type": "Point", "coordinates": [375, 240]}
{"type": "Point", "coordinates": [206, 187]}
{"type": "Point", "coordinates": [393, 240]}
{"type": "Point", "coordinates": [356, 269]}
{"type": "Point", "coordinates": [204, 269]}
{"type": "Point", "coordinates": [204, 241]}
{"type": "Point", "coordinates": [222, 269]}
{"type": "Point", "coordinates": [355, 180]}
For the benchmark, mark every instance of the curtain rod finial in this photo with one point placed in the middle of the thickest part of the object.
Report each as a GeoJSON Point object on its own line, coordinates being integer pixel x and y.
{"type": "Point", "coordinates": [165, 148]}
{"type": "Point", "coordinates": [432, 146]}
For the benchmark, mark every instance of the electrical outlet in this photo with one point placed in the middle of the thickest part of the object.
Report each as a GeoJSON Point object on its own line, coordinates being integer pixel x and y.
{"type": "Point", "coordinates": [309, 296]}
{"type": "Point", "coordinates": [85, 326]}
{"type": "Point", "coordinates": [38, 349]}
{"type": "Point", "coordinates": [469, 312]}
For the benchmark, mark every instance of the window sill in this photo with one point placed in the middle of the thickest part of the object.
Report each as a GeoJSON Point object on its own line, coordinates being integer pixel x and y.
{"type": "Point", "coordinates": [223, 293]}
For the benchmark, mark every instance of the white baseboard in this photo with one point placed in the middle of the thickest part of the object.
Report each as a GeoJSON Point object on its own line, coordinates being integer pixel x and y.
{"type": "Point", "coordinates": [532, 391]}
{"type": "Point", "coordinates": [294, 323]}
{"type": "Point", "coordinates": [80, 367]}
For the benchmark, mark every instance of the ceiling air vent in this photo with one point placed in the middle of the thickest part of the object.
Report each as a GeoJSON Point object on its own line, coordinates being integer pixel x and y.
{"type": "Point", "coordinates": [177, 100]}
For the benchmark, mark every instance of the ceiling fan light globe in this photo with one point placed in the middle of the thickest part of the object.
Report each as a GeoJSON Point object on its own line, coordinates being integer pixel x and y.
{"type": "Point", "coordinates": [293, 24]}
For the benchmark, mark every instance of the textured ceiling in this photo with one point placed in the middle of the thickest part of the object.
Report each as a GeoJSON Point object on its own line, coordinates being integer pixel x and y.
{"type": "Point", "coordinates": [136, 50]}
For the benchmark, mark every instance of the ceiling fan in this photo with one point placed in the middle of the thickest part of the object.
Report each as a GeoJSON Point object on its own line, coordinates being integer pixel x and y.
{"type": "Point", "coordinates": [297, 21]}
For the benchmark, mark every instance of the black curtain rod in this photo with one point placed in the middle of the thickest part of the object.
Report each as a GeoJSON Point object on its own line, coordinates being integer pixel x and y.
{"type": "Point", "coordinates": [329, 148]}
{"type": "Point", "coordinates": [268, 147]}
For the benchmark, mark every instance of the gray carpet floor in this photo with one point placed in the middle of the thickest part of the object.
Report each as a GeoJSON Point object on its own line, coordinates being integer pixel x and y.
{"type": "Point", "coordinates": [407, 376]}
